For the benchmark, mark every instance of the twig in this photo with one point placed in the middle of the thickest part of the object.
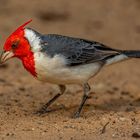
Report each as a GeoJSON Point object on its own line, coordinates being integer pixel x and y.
{"type": "Point", "coordinates": [104, 128]}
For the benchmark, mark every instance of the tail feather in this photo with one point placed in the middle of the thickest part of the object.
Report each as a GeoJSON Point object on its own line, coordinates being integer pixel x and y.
{"type": "Point", "coordinates": [133, 54]}
{"type": "Point", "coordinates": [123, 55]}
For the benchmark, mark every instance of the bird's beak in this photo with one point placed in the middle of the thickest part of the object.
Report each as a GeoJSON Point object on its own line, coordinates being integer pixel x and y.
{"type": "Point", "coordinates": [5, 56]}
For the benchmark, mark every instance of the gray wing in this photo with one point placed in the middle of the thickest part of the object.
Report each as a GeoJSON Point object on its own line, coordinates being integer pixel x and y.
{"type": "Point", "coordinates": [76, 51]}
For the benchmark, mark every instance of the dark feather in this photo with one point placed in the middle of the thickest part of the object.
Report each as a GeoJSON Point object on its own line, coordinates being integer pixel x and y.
{"type": "Point", "coordinates": [76, 51]}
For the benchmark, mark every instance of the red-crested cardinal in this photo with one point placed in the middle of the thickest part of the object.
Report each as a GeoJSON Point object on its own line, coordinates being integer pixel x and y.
{"type": "Point", "coordinates": [61, 59]}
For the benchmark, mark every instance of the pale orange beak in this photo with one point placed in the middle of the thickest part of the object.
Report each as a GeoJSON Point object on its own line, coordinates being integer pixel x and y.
{"type": "Point", "coordinates": [5, 55]}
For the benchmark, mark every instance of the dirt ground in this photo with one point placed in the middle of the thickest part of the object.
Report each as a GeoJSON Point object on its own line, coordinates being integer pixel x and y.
{"type": "Point", "coordinates": [113, 109]}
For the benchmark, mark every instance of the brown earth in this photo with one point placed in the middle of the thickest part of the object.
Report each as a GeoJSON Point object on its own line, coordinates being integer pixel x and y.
{"type": "Point", "coordinates": [113, 109]}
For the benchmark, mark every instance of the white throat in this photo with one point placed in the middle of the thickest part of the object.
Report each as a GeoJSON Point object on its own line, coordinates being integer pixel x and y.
{"type": "Point", "coordinates": [33, 39]}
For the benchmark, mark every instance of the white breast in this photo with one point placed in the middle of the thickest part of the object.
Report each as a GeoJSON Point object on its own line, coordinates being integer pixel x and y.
{"type": "Point", "coordinates": [55, 71]}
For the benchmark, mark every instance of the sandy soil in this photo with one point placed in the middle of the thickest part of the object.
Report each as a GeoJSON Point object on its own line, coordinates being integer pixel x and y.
{"type": "Point", "coordinates": [113, 109]}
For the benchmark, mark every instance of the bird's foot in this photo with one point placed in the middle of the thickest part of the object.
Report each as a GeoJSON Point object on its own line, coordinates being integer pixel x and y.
{"type": "Point", "coordinates": [76, 115]}
{"type": "Point", "coordinates": [42, 111]}
{"type": "Point", "coordinates": [45, 109]}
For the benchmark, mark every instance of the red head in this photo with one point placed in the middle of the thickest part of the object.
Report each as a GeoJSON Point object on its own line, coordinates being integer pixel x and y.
{"type": "Point", "coordinates": [17, 45]}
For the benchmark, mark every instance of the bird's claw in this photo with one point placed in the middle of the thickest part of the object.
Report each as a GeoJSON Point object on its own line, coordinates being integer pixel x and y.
{"type": "Point", "coordinates": [42, 111]}
{"type": "Point", "coordinates": [76, 115]}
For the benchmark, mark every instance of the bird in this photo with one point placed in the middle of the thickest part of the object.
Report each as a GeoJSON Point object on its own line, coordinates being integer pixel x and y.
{"type": "Point", "coordinates": [61, 60]}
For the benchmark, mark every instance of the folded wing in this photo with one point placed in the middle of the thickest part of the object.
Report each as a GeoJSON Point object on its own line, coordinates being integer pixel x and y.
{"type": "Point", "coordinates": [76, 51]}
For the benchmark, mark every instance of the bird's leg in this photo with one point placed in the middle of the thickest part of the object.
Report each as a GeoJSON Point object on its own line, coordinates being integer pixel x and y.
{"type": "Point", "coordinates": [44, 109]}
{"type": "Point", "coordinates": [86, 89]}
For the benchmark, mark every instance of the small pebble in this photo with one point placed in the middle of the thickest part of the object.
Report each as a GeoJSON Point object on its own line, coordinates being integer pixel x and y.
{"type": "Point", "coordinates": [135, 135]}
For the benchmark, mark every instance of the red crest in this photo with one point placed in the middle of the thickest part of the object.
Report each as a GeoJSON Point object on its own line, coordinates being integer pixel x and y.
{"type": "Point", "coordinates": [21, 27]}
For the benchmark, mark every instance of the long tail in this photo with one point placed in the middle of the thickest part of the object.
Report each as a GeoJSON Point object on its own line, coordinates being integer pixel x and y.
{"type": "Point", "coordinates": [123, 55]}
{"type": "Point", "coordinates": [132, 54]}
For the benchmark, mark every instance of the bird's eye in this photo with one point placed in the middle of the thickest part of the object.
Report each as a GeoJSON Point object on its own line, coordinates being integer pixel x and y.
{"type": "Point", "coordinates": [15, 44]}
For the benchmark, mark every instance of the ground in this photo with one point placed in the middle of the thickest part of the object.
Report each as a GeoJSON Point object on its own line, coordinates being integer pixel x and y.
{"type": "Point", "coordinates": [113, 108]}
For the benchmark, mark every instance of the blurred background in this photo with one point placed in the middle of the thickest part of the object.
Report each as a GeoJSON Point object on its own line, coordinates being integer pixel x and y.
{"type": "Point", "coordinates": [115, 23]}
{"type": "Point", "coordinates": [115, 91]}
